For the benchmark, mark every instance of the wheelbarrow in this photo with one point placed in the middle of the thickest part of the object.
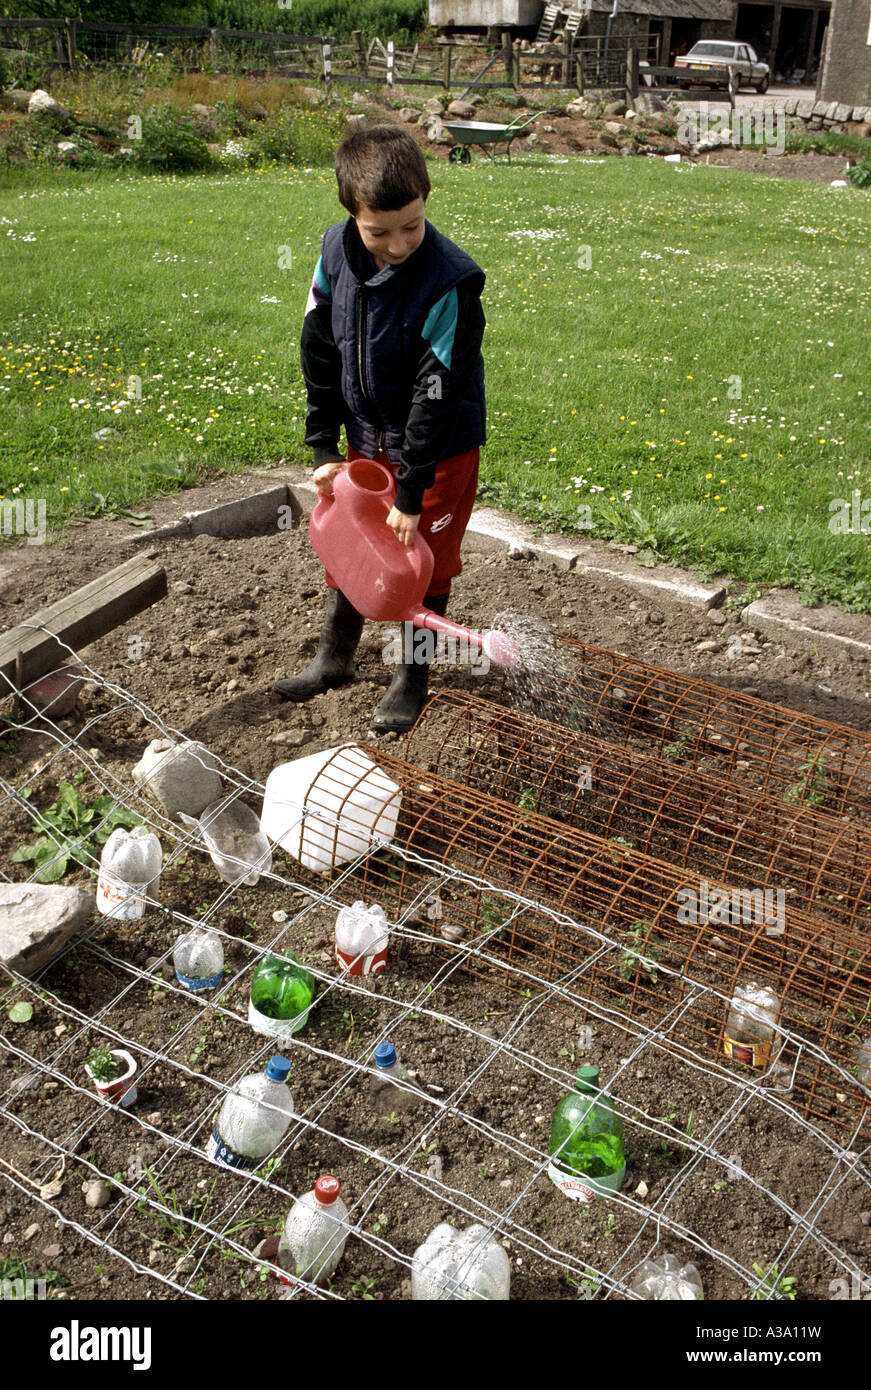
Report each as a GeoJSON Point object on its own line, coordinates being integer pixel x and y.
{"type": "Point", "coordinates": [485, 133]}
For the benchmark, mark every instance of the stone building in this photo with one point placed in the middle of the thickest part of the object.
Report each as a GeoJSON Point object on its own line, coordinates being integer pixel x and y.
{"type": "Point", "coordinates": [845, 75]}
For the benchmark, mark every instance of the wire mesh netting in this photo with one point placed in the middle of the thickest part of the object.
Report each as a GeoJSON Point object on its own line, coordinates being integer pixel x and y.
{"type": "Point", "coordinates": [755, 1174]}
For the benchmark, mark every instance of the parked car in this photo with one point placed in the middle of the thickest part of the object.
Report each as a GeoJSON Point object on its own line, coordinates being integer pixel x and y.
{"type": "Point", "coordinates": [712, 53]}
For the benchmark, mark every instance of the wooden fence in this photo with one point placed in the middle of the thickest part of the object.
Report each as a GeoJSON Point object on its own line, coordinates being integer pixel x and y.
{"type": "Point", "coordinates": [458, 64]}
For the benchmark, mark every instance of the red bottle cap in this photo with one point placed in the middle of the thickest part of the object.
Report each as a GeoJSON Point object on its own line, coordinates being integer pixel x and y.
{"type": "Point", "coordinates": [327, 1190]}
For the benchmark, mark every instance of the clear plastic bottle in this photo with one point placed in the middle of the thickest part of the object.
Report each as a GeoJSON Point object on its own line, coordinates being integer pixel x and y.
{"type": "Point", "coordinates": [864, 1067]}
{"type": "Point", "coordinates": [665, 1280]}
{"type": "Point", "coordinates": [253, 1119]}
{"type": "Point", "coordinates": [387, 1096]}
{"type": "Point", "coordinates": [198, 958]}
{"type": "Point", "coordinates": [361, 938]}
{"type": "Point", "coordinates": [750, 1024]}
{"type": "Point", "coordinates": [281, 994]}
{"type": "Point", "coordinates": [129, 872]}
{"type": "Point", "coordinates": [586, 1141]}
{"type": "Point", "coordinates": [458, 1266]}
{"type": "Point", "coordinates": [313, 1240]}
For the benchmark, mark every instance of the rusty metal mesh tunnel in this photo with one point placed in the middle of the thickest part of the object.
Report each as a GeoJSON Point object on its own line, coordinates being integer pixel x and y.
{"type": "Point", "coordinates": [560, 898]}
{"type": "Point", "coordinates": [772, 748]}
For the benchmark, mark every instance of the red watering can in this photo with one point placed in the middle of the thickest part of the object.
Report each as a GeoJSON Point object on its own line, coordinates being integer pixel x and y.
{"type": "Point", "coordinates": [384, 579]}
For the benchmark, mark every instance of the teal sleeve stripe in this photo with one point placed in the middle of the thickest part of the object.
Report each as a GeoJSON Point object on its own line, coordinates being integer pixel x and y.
{"type": "Point", "coordinates": [441, 327]}
{"type": "Point", "coordinates": [320, 282]}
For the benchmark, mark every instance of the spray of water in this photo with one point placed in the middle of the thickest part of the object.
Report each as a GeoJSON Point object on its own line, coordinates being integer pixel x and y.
{"type": "Point", "coordinates": [539, 678]}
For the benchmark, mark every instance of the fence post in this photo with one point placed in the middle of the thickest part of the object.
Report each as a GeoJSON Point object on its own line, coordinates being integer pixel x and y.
{"type": "Point", "coordinates": [448, 56]}
{"type": "Point", "coordinates": [357, 37]}
{"type": "Point", "coordinates": [631, 76]}
{"type": "Point", "coordinates": [579, 72]}
{"type": "Point", "coordinates": [391, 59]}
{"type": "Point", "coordinates": [328, 78]}
{"type": "Point", "coordinates": [70, 25]}
{"type": "Point", "coordinates": [213, 47]}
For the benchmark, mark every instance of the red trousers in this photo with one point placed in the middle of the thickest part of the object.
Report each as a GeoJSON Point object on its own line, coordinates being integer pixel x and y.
{"type": "Point", "coordinates": [445, 513]}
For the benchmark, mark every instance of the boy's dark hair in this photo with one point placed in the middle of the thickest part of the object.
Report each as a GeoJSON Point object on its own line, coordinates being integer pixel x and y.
{"type": "Point", "coordinates": [380, 167]}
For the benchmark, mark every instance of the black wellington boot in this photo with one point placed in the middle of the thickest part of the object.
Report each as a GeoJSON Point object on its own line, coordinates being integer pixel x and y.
{"type": "Point", "coordinates": [409, 688]}
{"type": "Point", "coordinates": [334, 663]}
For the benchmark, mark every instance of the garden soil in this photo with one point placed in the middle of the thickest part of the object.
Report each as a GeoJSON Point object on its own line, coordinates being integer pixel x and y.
{"type": "Point", "coordinates": [239, 614]}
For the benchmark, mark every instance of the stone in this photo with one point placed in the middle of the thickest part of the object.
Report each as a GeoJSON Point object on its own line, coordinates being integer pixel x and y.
{"type": "Point", "coordinates": [182, 587]}
{"type": "Point", "coordinates": [709, 646]}
{"type": "Point", "coordinates": [434, 106]}
{"type": "Point", "coordinates": [615, 127]}
{"type": "Point", "coordinates": [804, 108]}
{"type": "Point", "coordinates": [790, 105]}
{"type": "Point", "coordinates": [183, 777]}
{"type": "Point", "coordinates": [615, 108]}
{"type": "Point", "coordinates": [648, 104]}
{"type": "Point", "coordinates": [717, 616]}
{"type": "Point", "coordinates": [820, 108]}
{"type": "Point", "coordinates": [608, 140]}
{"type": "Point", "coordinates": [642, 1190]}
{"type": "Point", "coordinates": [18, 98]}
{"type": "Point", "coordinates": [37, 919]}
{"type": "Point", "coordinates": [200, 109]}
{"type": "Point", "coordinates": [865, 1218]}
{"type": "Point", "coordinates": [842, 113]}
{"type": "Point", "coordinates": [815, 123]}
{"type": "Point", "coordinates": [55, 695]}
{"type": "Point", "coordinates": [41, 101]}
{"type": "Point", "coordinates": [464, 109]}
{"type": "Point", "coordinates": [409, 114]}
{"type": "Point", "coordinates": [358, 122]}
{"type": "Point", "coordinates": [97, 1193]}
{"type": "Point", "coordinates": [31, 1231]}
{"type": "Point", "coordinates": [294, 737]}
{"type": "Point", "coordinates": [831, 110]}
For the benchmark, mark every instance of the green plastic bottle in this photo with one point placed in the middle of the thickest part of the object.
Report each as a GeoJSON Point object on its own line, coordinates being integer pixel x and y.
{"type": "Point", "coordinates": [281, 994]}
{"type": "Point", "coordinates": [586, 1141]}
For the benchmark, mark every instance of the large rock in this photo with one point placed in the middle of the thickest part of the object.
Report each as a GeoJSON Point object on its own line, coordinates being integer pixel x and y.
{"type": "Point", "coordinates": [434, 106]}
{"type": "Point", "coordinates": [464, 109]}
{"type": "Point", "coordinates": [36, 920]}
{"type": "Point", "coordinates": [42, 102]}
{"type": "Point", "coordinates": [183, 776]}
{"type": "Point", "coordinates": [804, 108]}
{"type": "Point", "coordinates": [55, 695]}
{"type": "Point", "coordinates": [842, 113]}
{"type": "Point", "coordinates": [409, 113]}
{"type": "Point", "coordinates": [648, 104]}
{"type": "Point", "coordinates": [615, 108]}
{"type": "Point", "coordinates": [19, 98]}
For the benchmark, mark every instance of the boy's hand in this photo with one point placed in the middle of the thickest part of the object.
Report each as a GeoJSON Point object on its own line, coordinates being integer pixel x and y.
{"type": "Point", "coordinates": [323, 476]}
{"type": "Point", "coordinates": [403, 526]}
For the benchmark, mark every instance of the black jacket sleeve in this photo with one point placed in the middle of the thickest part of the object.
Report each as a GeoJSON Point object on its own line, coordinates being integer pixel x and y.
{"type": "Point", "coordinates": [321, 364]}
{"type": "Point", "coordinates": [430, 421]}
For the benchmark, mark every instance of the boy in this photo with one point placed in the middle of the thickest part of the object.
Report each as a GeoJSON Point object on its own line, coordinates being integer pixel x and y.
{"type": "Point", "coordinates": [391, 348]}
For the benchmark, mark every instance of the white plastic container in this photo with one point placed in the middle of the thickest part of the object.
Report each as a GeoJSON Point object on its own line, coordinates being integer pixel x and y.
{"type": "Point", "coordinates": [314, 1234]}
{"type": "Point", "coordinates": [460, 1265]}
{"type": "Point", "coordinates": [129, 872]}
{"type": "Point", "coordinates": [231, 832]}
{"type": "Point", "coordinates": [348, 803]}
{"type": "Point", "coordinates": [750, 1024]}
{"type": "Point", "coordinates": [665, 1280]}
{"type": "Point", "coordinates": [253, 1119]}
{"type": "Point", "coordinates": [198, 958]}
{"type": "Point", "coordinates": [361, 938]}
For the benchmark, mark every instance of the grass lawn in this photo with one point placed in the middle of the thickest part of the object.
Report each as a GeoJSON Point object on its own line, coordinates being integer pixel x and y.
{"type": "Point", "coordinates": [676, 357]}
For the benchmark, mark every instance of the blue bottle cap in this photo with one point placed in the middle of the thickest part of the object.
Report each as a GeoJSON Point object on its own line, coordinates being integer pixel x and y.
{"type": "Point", "coordinates": [385, 1055]}
{"type": "Point", "coordinates": [278, 1068]}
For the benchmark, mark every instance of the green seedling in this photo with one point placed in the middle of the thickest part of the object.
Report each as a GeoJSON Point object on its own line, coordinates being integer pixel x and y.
{"type": "Point", "coordinates": [810, 789]}
{"type": "Point", "coordinates": [72, 830]}
{"type": "Point", "coordinates": [640, 952]}
{"type": "Point", "coordinates": [104, 1065]}
{"type": "Point", "coordinates": [363, 1289]}
{"type": "Point", "coordinates": [772, 1285]}
{"type": "Point", "coordinates": [680, 747]}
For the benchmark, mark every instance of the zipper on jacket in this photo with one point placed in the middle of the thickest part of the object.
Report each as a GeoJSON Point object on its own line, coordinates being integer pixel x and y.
{"type": "Point", "coordinates": [380, 432]}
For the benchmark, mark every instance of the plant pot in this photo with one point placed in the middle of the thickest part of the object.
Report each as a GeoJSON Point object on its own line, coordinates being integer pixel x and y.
{"type": "Point", "coordinates": [122, 1090]}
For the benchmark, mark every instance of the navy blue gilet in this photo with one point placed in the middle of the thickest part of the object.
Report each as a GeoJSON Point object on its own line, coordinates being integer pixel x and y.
{"type": "Point", "coordinates": [377, 329]}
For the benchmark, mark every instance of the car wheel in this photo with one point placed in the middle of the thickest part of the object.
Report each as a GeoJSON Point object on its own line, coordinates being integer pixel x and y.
{"type": "Point", "coordinates": [763, 85]}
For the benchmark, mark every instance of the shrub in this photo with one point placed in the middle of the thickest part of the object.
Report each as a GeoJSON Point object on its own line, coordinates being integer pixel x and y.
{"type": "Point", "coordinates": [171, 140]}
{"type": "Point", "coordinates": [4, 72]}
{"type": "Point", "coordinates": [301, 136]}
{"type": "Point", "coordinates": [860, 174]}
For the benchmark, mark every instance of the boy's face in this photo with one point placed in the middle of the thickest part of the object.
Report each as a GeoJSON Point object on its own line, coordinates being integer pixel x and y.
{"type": "Point", "coordinates": [392, 236]}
